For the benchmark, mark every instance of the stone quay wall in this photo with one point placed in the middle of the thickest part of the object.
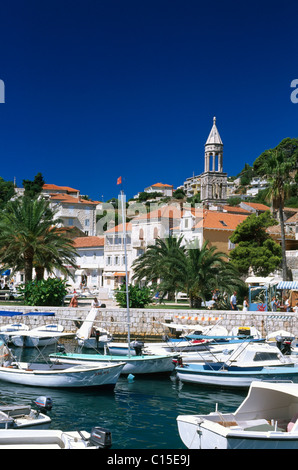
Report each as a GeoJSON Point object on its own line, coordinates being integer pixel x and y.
{"type": "Point", "coordinates": [147, 323]}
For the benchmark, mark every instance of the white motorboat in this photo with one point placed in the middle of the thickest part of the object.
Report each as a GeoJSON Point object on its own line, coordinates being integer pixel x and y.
{"type": "Point", "coordinates": [40, 336]}
{"type": "Point", "coordinates": [24, 416]}
{"type": "Point", "coordinates": [248, 362]}
{"type": "Point", "coordinates": [91, 336]}
{"type": "Point", "coordinates": [99, 438]}
{"type": "Point", "coordinates": [266, 419]}
{"type": "Point", "coordinates": [11, 329]}
{"type": "Point", "coordinates": [57, 375]}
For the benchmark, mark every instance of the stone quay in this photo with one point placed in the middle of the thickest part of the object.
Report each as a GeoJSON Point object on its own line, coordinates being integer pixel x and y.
{"type": "Point", "coordinates": [147, 323]}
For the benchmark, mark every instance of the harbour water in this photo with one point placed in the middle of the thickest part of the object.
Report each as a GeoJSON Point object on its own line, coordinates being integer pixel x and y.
{"type": "Point", "coordinates": [140, 414]}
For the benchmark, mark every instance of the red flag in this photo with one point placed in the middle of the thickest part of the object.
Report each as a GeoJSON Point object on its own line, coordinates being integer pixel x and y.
{"type": "Point", "coordinates": [119, 180]}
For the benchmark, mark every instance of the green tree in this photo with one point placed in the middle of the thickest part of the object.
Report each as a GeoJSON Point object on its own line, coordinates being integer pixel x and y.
{"type": "Point", "coordinates": [279, 166]}
{"type": "Point", "coordinates": [163, 261]}
{"type": "Point", "coordinates": [207, 269]}
{"type": "Point", "coordinates": [255, 249]}
{"type": "Point", "coordinates": [6, 192]}
{"type": "Point", "coordinates": [178, 268]}
{"type": "Point", "coordinates": [139, 297]}
{"type": "Point", "coordinates": [29, 237]}
{"type": "Point", "coordinates": [33, 188]}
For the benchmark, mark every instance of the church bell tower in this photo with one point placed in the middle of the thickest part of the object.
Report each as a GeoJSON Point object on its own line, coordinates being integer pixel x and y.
{"type": "Point", "coordinates": [214, 180]}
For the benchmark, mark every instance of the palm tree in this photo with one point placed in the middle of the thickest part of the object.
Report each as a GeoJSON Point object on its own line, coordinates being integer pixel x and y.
{"type": "Point", "coordinates": [279, 166]}
{"type": "Point", "coordinates": [196, 271]}
{"type": "Point", "coordinates": [207, 269]}
{"type": "Point", "coordinates": [163, 261]}
{"type": "Point", "coordinates": [30, 238]}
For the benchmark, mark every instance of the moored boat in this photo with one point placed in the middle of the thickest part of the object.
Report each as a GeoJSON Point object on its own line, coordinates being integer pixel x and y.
{"type": "Point", "coordinates": [248, 362]}
{"type": "Point", "coordinates": [57, 375]}
{"type": "Point", "coordinates": [99, 438]}
{"type": "Point", "coordinates": [266, 419]}
{"type": "Point", "coordinates": [148, 364]}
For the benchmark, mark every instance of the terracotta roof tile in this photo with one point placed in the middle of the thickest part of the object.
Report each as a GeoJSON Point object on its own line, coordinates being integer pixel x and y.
{"type": "Point", "coordinates": [220, 220]}
{"type": "Point", "coordinates": [66, 198]}
{"type": "Point", "coordinates": [236, 209]}
{"type": "Point", "coordinates": [59, 188]}
{"type": "Point", "coordinates": [119, 228]}
{"type": "Point", "coordinates": [254, 205]}
{"type": "Point", "coordinates": [88, 242]}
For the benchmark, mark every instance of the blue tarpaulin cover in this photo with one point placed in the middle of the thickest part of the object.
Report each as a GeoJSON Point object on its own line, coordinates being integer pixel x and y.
{"type": "Point", "coordinates": [6, 313]}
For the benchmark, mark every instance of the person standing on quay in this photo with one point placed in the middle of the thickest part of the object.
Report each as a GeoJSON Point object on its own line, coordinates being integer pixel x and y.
{"type": "Point", "coordinates": [233, 301]}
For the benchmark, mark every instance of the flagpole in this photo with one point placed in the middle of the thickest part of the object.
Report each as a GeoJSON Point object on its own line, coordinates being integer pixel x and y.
{"type": "Point", "coordinates": [126, 273]}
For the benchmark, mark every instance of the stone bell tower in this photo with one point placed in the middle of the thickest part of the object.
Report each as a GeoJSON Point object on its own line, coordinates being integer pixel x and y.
{"type": "Point", "coordinates": [214, 180]}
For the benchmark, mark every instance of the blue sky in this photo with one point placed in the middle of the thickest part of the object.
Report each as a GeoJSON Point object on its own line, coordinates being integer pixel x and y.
{"type": "Point", "coordinates": [96, 89]}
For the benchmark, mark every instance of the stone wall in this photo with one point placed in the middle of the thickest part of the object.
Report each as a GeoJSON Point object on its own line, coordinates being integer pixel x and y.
{"type": "Point", "coordinates": [146, 323]}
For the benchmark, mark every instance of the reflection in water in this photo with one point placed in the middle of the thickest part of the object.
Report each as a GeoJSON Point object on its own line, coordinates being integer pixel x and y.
{"type": "Point", "coordinates": [140, 414]}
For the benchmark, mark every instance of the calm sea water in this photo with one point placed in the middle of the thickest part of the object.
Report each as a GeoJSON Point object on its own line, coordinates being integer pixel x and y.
{"type": "Point", "coordinates": [140, 414]}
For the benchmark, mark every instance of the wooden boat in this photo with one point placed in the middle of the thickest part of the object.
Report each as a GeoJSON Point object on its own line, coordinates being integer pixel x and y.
{"type": "Point", "coordinates": [62, 375]}
{"type": "Point", "coordinates": [148, 364]}
{"type": "Point", "coordinates": [49, 374]}
{"type": "Point", "coordinates": [266, 419]}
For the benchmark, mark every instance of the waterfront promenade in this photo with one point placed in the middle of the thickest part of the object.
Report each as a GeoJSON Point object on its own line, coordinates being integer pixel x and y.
{"type": "Point", "coordinates": [147, 323]}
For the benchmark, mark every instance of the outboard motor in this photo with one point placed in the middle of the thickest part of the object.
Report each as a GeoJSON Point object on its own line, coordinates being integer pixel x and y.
{"type": "Point", "coordinates": [138, 347]}
{"type": "Point", "coordinates": [284, 345]}
{"type": "Point", "coordinates": [60, 348]}
{"type": "Point", "coordinates": [100, 437]}
{"type": "Point", "coordinates": [44, 403]}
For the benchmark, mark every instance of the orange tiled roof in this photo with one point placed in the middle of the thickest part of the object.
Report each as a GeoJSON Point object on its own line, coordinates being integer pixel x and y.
{"type": "Point", "coordinates": [259, 207]}
{"type": "Point", "coordinates": [213, 220]}
{"type": "Point", "coordinates": [66, 198]}
{"type": "Point", "coordinates": [293, 219]}
{"type": "Point", "coordinates": [161, 185]}
{"type": "Point", "coordinates": [59, 188]}
{"type": "Point", "coordinates": [119, 228]}
{"type": "Point", "coordinates": [236, 209]}
{"type": "Point", "coordinates": [86, 242]}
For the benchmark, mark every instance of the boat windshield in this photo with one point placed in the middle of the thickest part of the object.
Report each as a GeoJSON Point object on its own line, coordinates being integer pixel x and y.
{"type": "Point", "coordinates": [266, 356]}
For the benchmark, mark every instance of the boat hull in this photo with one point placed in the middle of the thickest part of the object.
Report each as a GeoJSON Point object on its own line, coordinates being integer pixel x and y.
{"type": "Point", "coordinates": [79, 375]}
{"type": "Point", "coordinates": [133, 365]}
{"type": "Point", "coordinates": [198, 374]}
{"type": "Point", "coordinates": [202, 436]}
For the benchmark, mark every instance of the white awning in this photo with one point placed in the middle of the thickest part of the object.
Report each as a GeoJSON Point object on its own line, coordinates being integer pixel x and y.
{"type": "Point", "coordinates": [262, 280]}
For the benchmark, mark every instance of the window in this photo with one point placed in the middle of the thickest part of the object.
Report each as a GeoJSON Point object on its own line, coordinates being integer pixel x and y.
{"type": "Point", "coordinates": [87, 222]}
{"type": "Point", "coordinates": [155, 233]}
{"type": "Point", "coordinates": [116, 260]}
{"type": "Point", "coordinates": [186, 223]}
{"type": "Point", "coordinates": [266, 356]}
{"type": "Point", "coordinates": [141, 234]}
{"type": "Point", "coordinates": [70, 222]}
{"type": "Point", "coordinates": [108, 260]}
